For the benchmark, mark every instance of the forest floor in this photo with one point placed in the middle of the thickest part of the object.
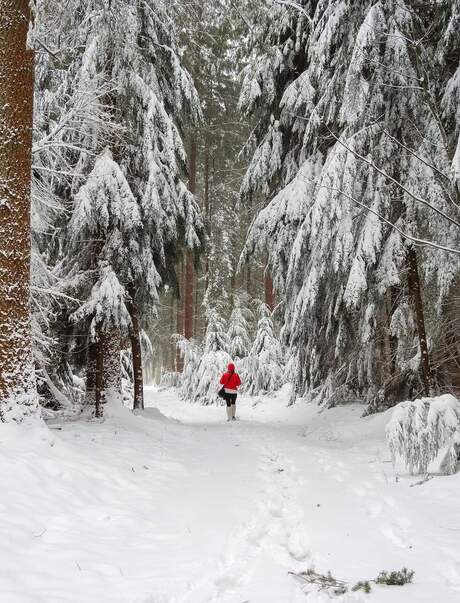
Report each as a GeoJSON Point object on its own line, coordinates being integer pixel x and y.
{"type": "Point", "coordinates": [178, 506]}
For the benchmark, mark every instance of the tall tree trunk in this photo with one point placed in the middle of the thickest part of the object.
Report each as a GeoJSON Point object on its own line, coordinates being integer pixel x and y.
{"type": "Point", "coordinates": [180, 312]}
{"type": "Point", "coordinates": [207, 207]}
{"type": "Point", "coordinates": [269, 293]}
{"type": "Point", "coordinates": [135, 337]}
{"type": "Point", "coordinates": [90, 396]}
{"type": "Point", "coordinates": [189, 268]}
{"type": "Point", "coordinates": [171, 354]}
{"type": "Point", "coordinates": [17, 378]}
{"type": "Point", "coordinates": [99, 374]}
{"type": "Point", "coordinates": [248, 277]}
{"type": "Point", "coordinates": [416, 294]}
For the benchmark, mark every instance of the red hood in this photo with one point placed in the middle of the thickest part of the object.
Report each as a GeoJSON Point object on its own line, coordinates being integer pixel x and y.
{"type": "Point", "coordinates": [231, 367]}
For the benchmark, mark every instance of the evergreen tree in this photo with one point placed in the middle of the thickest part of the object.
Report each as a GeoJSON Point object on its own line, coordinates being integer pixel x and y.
{"type": "Point", "coordinates": [264, 365]}
{"type": "Point", "coordinates": [239, 332]}
{"type": "Point", "coordinates": [130, 53]}
{"type": "Point", "coordinates": [204, 365]}
{"type": "Point", "coordinates": [353, 163]}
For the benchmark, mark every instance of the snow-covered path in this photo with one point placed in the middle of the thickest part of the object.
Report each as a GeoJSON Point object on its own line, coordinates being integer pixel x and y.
{"type": "Point", "coordinates": [177, 506]}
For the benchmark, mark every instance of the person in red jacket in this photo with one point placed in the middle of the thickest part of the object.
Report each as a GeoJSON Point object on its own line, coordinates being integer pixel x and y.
{"type": "Point", "coordinates": [231, 382]}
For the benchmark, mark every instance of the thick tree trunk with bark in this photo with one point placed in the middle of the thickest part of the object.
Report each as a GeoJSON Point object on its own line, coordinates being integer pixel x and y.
{"type": "Point", "coordinates": [416, 294]}
{"type": "Point", "coordinates": [111, 344]}
{"type": "Point", "coordinates": [18, 396]}
{"type": "Point", "coordinates": [136, 349]}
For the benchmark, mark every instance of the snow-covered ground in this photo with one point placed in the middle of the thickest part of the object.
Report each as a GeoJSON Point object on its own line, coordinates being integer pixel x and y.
{"type": "Point", "coordinates": [178, 506]}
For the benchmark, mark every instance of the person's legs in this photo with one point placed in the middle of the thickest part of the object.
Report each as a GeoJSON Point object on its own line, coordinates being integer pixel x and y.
{"type": "Point", "coordinates": [233, 401]}
{"type": "Point", "coordinates": [229, 407]}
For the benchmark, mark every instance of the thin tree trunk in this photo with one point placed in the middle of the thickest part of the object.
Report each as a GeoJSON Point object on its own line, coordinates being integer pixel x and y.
{"type": "Point", "coordinates": [17, 377]}
{"type": "Point", "coordinates": [180, 313]}
{"type": "Point", "coordinates": [189, 268]}
{"type": "Point", "coordinates": [99, 374]}
{"type": "Point", "coordinates": [171, 355]}
{"type": "Point", "coordinates": [415, 291]}
{"type": "Point", "coordinates": [135, 337]}
{"type": "Point", "coordinates": [269, 293]}
{"type": "Point", "coordinates": [207, 207]}
{"type": "Point", "coordinates": [248, 277]}
{"type": "Point", "coordinates": [90, 396]}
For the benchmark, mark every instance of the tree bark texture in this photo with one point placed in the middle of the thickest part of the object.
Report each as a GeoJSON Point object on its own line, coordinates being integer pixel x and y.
{"type": "Point", "coordinates": [269, 293]}
{"type": "Point", "coordinates": [416, 294]}
{"type": "Point", "coordinates": [111, 349]}
{"type": "Point", "coordinates": [99, 375]}
{"type": "Point", "coordinates": [136, 349]}
{"type": "Point", "coordinates": [207, 206]}
{"type": "Point", "coordinates": [189, 268]}
{"type": "Point", "coordinates": [180, 312]}
{"type": "Point", "coordinates": [90, 396]}
{"type": "Point", "coordinates": [18, 396]}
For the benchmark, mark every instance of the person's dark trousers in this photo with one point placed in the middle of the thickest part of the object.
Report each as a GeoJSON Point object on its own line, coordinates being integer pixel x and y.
{"type": "Point", "coordinates": [230, 399]}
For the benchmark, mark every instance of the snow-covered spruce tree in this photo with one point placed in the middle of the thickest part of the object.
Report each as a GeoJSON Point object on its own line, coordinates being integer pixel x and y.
{"type": "Point", "coordinates": [201, 380]}
{"type": "Point", "coordinates": [264, 365]}
{"type": "Point", "coordinates": [155, 97]}
{"type": "Point", "coordinates": [18, 396]}
{"type": "Point", "coordinates": [424, 431]}
{"type": "Point", "coordinates": [192, 353]}
{"type": "Point", "coordinates": [239, 335]}
{"type": "Point", "coordinates": [150, 97]}
{"type": "Point", "coordinates": [72, 125]}
{"type": "Point", "coordinates": [103, 253]}
{"type": "Point", "coordinates": [360, 138]}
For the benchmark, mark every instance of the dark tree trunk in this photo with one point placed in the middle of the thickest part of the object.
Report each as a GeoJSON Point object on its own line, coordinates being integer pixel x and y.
{"type": "Point", "coordinates": [180, 313]}
{"type": "Point", "coordinates": [416, 295]}
{"type": "Point", "coordinates": [135, 337]}
{"type": "Point", "coordinates": [111, 349]}
{"type": "Point", "coordinates": [269, 293]}
{"type": "Point", "coordinates": [99, 374]}
{"type": "Point", "coordinates": [171, 355]}
{"type": "Point", "coordinates": [207, 206]}
{"type": "Point", "coordinates": [248, 277]}
{"type": "Point", "coordinates": [17, 378]}
{"type": "Point", "coordinates": [90, 397]}
{"type": "Point", "coordinates": [189, 268]}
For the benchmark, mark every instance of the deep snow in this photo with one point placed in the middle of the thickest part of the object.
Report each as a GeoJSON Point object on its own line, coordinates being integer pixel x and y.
{"type": "Point", "coordinates": [178, 506]}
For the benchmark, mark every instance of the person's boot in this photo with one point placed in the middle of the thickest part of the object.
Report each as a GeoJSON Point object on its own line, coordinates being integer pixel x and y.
{"type": "Point", "coordinates": [233, 412]}
{"type": "Point", "coordinates": [229, 413]}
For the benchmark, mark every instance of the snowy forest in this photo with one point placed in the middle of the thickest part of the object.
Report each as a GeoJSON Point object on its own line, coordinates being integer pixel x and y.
{"type": "Point", "coordinates": [189, 186]}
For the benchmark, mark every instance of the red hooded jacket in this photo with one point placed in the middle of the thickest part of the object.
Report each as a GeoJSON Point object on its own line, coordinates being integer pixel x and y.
{"type": "Point", "coordinates": [230, 379]}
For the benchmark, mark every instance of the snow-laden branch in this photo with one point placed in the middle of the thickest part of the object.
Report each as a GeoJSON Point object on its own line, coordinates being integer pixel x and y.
{"type": "Point", "coordinates": [54, 293]}
{"type": "Point", "coordinates": [417, 241]}
{"type": "Point", "coordinates": [292, 4]}
{"type": "Point", "coordinates": [382, 172]}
